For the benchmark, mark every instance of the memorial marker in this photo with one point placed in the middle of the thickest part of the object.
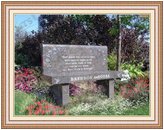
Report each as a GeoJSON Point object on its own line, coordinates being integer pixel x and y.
{"type": "Point", "coordinates": [64, 64]}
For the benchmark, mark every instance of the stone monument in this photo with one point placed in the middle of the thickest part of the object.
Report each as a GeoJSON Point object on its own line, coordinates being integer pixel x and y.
{"type": "Point", "coordinates": [64, 64]}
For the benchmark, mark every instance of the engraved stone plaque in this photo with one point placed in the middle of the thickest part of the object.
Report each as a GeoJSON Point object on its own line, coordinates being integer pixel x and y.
{"type": "Point", "coordinates": [74, 60]}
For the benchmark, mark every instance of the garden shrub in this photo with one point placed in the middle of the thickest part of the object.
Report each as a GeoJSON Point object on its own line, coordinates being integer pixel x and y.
{"type": "Point", "coordinates": [25, 80]}
{"type": "Point", "coordinates": [21, 59]}
{"type": "Point", "coordinates": [112, 61]}
{"type": "Point", "coordinates": [134, 70]}
{"type": "Point", "coordinates": [44, 108]}
{"type": "Point", "coordinates": [135, 89]}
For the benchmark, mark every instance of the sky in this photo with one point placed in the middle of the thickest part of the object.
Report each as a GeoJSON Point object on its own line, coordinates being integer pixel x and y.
{"type": "Point", "coordinates": [28, 22]}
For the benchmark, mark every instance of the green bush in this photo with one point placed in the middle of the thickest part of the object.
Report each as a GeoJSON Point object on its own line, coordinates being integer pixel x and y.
{"type": "Point", "coordinates": [21, 59]}
{"type": "Point", "coordinates": [112, 61]}
{"type": "Point", "coordinates": [134, 70]}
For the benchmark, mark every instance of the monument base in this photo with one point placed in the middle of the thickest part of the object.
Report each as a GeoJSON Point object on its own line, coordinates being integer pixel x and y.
{"type": "Point", "coordinates": [60, 94]}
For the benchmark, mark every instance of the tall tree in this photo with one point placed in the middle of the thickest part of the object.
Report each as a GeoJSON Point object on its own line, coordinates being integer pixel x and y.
{"type": "Point", "coordinates": [119, 43]}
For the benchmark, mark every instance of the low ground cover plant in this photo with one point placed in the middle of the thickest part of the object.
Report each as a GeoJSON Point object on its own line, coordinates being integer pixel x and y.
{"type": "Point", "coordinates": [94, 104]}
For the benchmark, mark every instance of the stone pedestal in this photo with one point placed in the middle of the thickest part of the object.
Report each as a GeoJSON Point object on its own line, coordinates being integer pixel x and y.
{"type": "Point", "coordinates": [108, 86]}
{"type": "Point", "coordinates": [111, 89]}
{"type": "Point", "coordinates": [60, 94]}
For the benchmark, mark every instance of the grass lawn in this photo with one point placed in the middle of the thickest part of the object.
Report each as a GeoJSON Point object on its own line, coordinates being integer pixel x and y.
{"type": "Point", "coordinates": [142, 110]}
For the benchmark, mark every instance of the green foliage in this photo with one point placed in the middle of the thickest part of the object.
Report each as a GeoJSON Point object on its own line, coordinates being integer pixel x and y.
{"type": "Point", "coordinates": [134, 70]}
{"type": "Point", "coordinates": [139, 22]}
{"type": "Point", "coordinates": [126, 20]}
{"type": "Point", "coordinates": [22, 100]}
{"type": "Point", "coordinates": [113, 31]}
{"type": "Point", "coordinates": [85, 19]}
{"type": "Point", "coordinates": [112, 61]}
{"type": "Point", "coordinates": [21, 59]}
{"type": "Point", "coordinates": [28, 53]}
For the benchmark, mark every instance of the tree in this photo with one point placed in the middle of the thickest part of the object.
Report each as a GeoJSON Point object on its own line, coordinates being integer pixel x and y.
{"type": "Point", "coordinates": [135, 30]}
{"type": "Point", "coordinates": [78, 29]}
{"type": "Point", "coordinates": [30, 52]}
{"type": "Point", "coordinates": [19, 34]}
{"type": "Point", "coordinates": [133, 22]}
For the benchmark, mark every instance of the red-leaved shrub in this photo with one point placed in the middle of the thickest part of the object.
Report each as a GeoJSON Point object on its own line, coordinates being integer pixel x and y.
{"type": "Point", "coordinates": [25, 79]}
{"type": "Point", "coordinates": [134, 88]}
{"type": "Point", "coordinates": [44, 108]}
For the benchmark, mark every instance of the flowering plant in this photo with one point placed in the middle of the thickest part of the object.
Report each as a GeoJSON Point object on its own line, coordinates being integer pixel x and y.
{"type": "Point", "coordinates": [25, 80]}
{"type": "Point", "coordinates": [44, 108]}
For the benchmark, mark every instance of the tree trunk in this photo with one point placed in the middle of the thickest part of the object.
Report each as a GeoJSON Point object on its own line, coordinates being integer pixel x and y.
{"type": "Point", "coordinates": [119, 44]}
